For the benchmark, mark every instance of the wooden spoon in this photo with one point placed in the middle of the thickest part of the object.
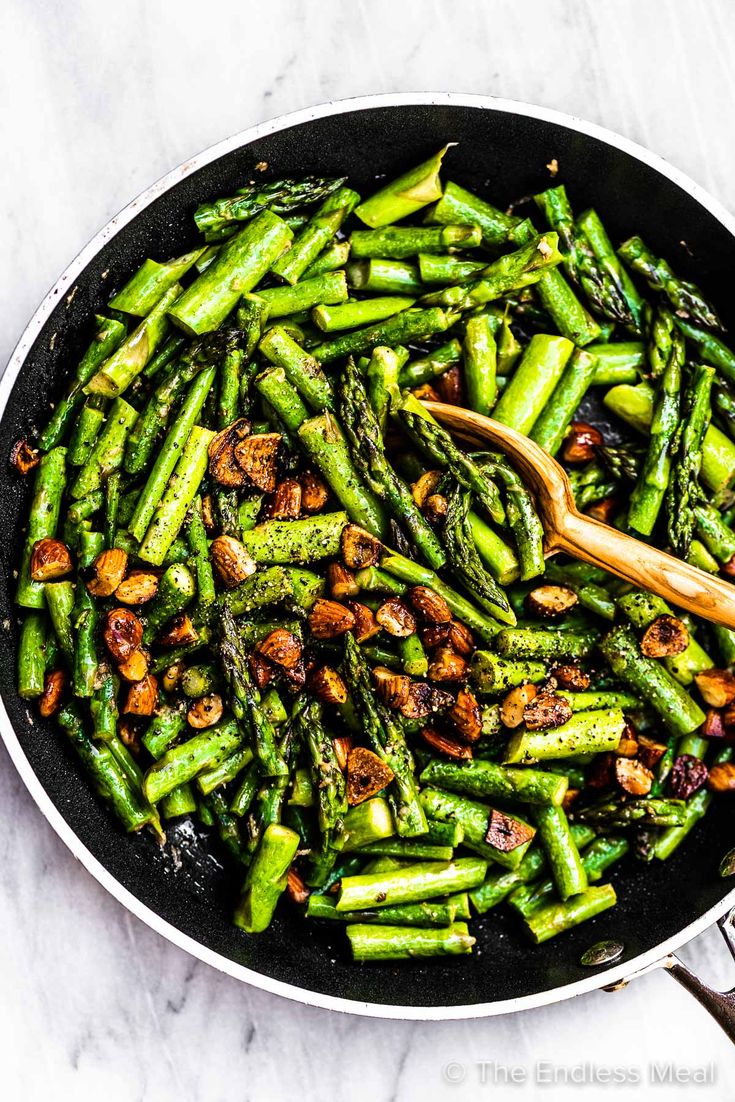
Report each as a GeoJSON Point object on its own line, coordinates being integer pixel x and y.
{"type": "Point", "coordinates": [568, 530]}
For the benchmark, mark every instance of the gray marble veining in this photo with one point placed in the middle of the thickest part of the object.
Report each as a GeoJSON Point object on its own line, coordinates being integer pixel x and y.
{"type": "Point", "coordinates": [97, 100]}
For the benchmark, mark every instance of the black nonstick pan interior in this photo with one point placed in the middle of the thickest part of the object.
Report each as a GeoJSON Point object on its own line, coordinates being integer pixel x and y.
{"type": "Point", "coordinates": [503, 156]}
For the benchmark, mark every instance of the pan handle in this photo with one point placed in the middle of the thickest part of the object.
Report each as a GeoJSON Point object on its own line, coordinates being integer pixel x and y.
{"type": "Point", "coordinates": [720, 1004]}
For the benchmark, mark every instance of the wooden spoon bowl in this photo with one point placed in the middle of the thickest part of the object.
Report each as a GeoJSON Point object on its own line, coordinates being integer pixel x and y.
{"type": "Point", "coordinates": [568, 530]}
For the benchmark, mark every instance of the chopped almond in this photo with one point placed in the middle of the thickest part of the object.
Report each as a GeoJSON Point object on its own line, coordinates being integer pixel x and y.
{"type": "Point", "coordinates": [286, 503]}
{"type": "Point", "coordinates": [129, 735]}
{"type": "Point", "coordinates": [123, 633]}
{"type": "Point", "coordinates": [449, 386]}
{"type": "Point", "coordinates": [628, 745]}
{"type": "Point", "coordinates": [688, 774]}
{"type": "Point", "coordinates": [54, 684]}
{"type": "Point", "coordinates": [666, 636]}
{"type": "Point", "coordinates": [581, 442]}
{"type": "Point", "coordinates": [314, 492]}
{"type": "Point", "coordinates": [393, 688]}
{"type": "Point", "coordinates": [425, 487]}
{"type": "Point", "coordinates": [603, 510]}
{"type": "Point", "coordinates": [429, 605]}
{"type": "Point", "coordinates": [546, 710]}
{"type": "Point", "coordinates": [461, 639]}
{"type": "Point", "coordinates": [505, 833]}
{"type": "Point", "coordinates": [633, 776]}
{"type": "Point", "coordinates": [551, 600]}
{"type": "Point", "coordinates": [205, 712]}
{"type": "Point", "coordinates": [436, 508]}
{"type": "Point", "coordinates": [715, 727]}
{"type": "Point", "coordinates": [208, 516]}
{"type": "Point", "coordinates": [50, 559]}
{"type": "Point", "coordinates": [426, 393]}
{"type": "Point", "coordinates": [109, 570]}
{"type": "Point", "coordinates": [395, 618]}
{"type": "Point", "coordinates": [328, 619]}
{"type": "Point", "coordinates": [179, 632]}
{"type": "Point", "coordinates": [716, 686]}
{"type": "Point", "coordinates": [327, 686]}
{"type": "Point", "coordinates": [569, 799]}
{"type": "Point", "coordinates": [449, 747]}
{"type": "Point", "coordinates": [367, 775]}
{"type": "Point", "coordinates": [571, 677]}
{"type": "Point", "coordinates": [425, 699]}
{"type": "Point", "coordinates": [137, 588]}
{"type": "Point", "coordinates": [281, 647]}
{"type": "Point", "coordinates": [601, 772]}
{"type": "Point", "coordinates": [258, 457]}
{"type": "Point", "coordinates": [514, 704]}
{"type": "Point", "coordinates": [447, 666]}
{"type": "Point", "coordinates": [231, 560]}
{"type": "Point", "coordinates": [466, 716]}
{"type": "Point", "coordinates": [650, 752]}
{"type": "Point", "coordinates": [342, 747]}
{"type": "Point", "coordinates": [434, 635]}
{"type": "Point", "coordinates": [142, 697]}
{"type": "Point", "coordinates": [359, 548]}
{"type": "Point", "coordinates": [23, 457]}
{"type": "Point", "coordinates": [341, 581]}
{"type": "Point", "coordinates": [296, 889]}
{"type": "Point", "coordinates": [722, 777]}
{"type": "Point", "coordinates": [223, 465]}
{"type": "Point", "coordinates": [135, 667]}
{"type": "Point", "coordinates": [261, 671]}
{"type": "Point", "coordinates": [365, 626]}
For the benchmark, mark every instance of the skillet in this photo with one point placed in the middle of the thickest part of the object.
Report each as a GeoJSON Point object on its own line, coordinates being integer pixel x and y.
{"type": "Point", "coordinates": [183, 891]}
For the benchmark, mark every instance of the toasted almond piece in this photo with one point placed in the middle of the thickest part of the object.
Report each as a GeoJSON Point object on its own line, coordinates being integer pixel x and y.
{"type": "Point", "coordinates": [327, 686]}
{"type": "Point", "coordinates": [601, 771]}
{"type": "Point", "coordinates": [109, 570]}
{"type": "Point", "coordinates": [716, 686]}
{"type": "Point", "coordinates": [367, 775]}
{"type": "Point", "coordinates": [54, 684]}
{"type": "Point", "coordinates": [359, 548]}
{"type": "Point", "coordinates": [365, 626]}
{"type": "Point", "coordinates": [728, 568]}
{"type": "Point", "coordinates": [135, 667]}
{"type": "Point", "coordinates": [443, 744]}
{"type": "Point", "coordinates": [449, 385]}
{"type": "Point", "coordinates": [571, 677]}
{"type": "Point", "coordinates": [231, 560]}
{"type": "Point", "coordinates": [466, 716]}
{"type": "Point", "coordinates": [342, 747]}
{"type": "Point", "coordinates": [393, 688]}
{"type": "Point", "coordinates": [205, 712]}
{"type": "Point", "coordinates": [581, 442]}
{"type": "Point", "coordinates": [425, 486]}
{"type": "Point", "coordinates": [633, 776]}
{"type": "Point", "coordinates": [328, 619]}
{"type": "Point", "coordinates": [650, 752]}
{"type": "Point", "coordinates": [261, 671]}
{"type": "Point", "coordinates": [569, 799]}
{"type": "Point", "coordinates": [286, 503]}
{"type": "Point", "coordinates": [551, 600]}
{"type": "Point", "coordinates": [666, 636]}
{"type": "Point", "coordinates": [628, 745]}
{"type": "Point", "coordinates": [137, 588]}
{"type": "Point", "coordinates": [123, 633]}
{"type": "Point", "coordinates": [223, 465]}
{"type": "Point", "coordinates": [142, 697]}
{"type": "Point", "coordinates": [129, 734]}
{"type": "Point", "coordinates": [461, 638]}
{"type": "Point", "coordinates": [434, 635]}
{"type": "Point", "coordinates": [546, 710]}
{"type": "Point", "coordinates": [426, 393]}
{"type": "Point", "coordinates": [429, 605]}
{"type": "Point", "coordinates": [281, 647]}
{"type": "Point", "coordinates": [341, 581]}
{"type": "Point", "coordinates": [722, 777]}
{"type": "Point", "coordinates": [714, 725]}
{"type": "Point", "coordinates": [296, 889]}
{"type": "Point", "coordinates": [258, 457]}
{"type": "Point", "coordinates": [688, 774]}
{"type": "Point", "coordinates": [436, 508]}
{"type": "Point", "coordinates": [446, 665]}
{"type": "Point", "coordinates": [296, 676]}
{"type": "Point", "coordinates": [425, 699]}
{"type": "Point", "coordinates": [505, 833]}
{"type": "Point", "coordinates": [603, 510]}
{"type": "Point", "coordinates": [208, 514]}
{"type": "Point", "coordinates": [314, 492]}
{"type": "Point", "coordinates": [172, 676]}
{"type": "Point", "coordinates": [50, 559]}
{"type": "Point", "coordinates": [23, 457]}
{"type": "Point", "coordinates": [514, 704]}
{"type": "Point", "coordinates": [396, 618]}
{"type": "Point", "coordinates": [179, 632]}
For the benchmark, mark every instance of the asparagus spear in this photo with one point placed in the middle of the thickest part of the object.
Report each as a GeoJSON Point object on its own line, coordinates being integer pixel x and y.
{"type": "Point", "coordinates": [460, 545]}
{"type": "Point", "coordinates": [687, 300]}
{"type": "Point", "coordinates": [43, 520]}
{"type": "Point", "coordinates": [266, 878]}
{"type": "Point", "coordinates": [372, 942]}
{"type": "Point", "coordinates": [683, 490]}
{"type": "Point", "coordinates": [280, 196]}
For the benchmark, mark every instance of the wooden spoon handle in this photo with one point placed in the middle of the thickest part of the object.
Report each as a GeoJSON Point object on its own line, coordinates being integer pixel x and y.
{"type": "Point", "coordinates": [677, 582]}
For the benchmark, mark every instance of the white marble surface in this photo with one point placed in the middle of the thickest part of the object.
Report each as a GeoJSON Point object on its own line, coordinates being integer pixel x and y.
{"type": "Point", "coordinates": [97, 100]}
